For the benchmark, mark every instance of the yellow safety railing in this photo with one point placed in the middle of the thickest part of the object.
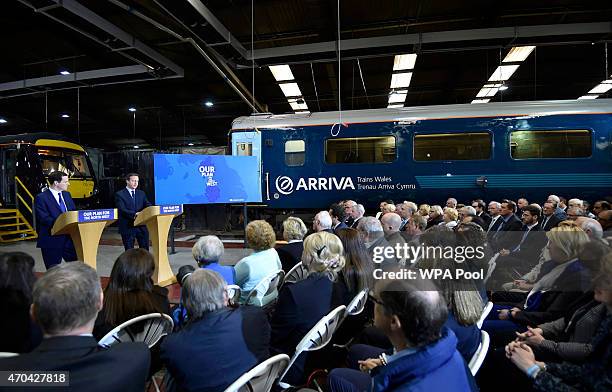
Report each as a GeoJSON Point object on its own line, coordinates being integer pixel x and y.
{"type": "Point", "coordinates": [26, 204]}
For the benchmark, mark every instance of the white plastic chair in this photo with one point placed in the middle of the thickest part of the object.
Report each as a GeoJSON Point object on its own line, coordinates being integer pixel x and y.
{"type": "Point", "coordinates": [261, 378]}
{"type": "Point", "coordinates": [358, 303]}
{"type": "Point", "coordinates": [297, 273]}
{"type": "Point", "coordinates": [233, 293]}
{"type": "Point", "coordinates": [267, 285]}
{"type": "Point", "coordinates": [492, 264]}
{"type": "Point", "coordinates": [480, 354]}
{"type": "Point", "coordinates": [7, 355]}
{"type": "Point", "coordinates": [485, 313]}
{"type": "Point", "coordinates": [317, 338]}
{"type": "Point", "coordinates": [354, 308]}
{"type": "Point", "coordinates": [155, 326]}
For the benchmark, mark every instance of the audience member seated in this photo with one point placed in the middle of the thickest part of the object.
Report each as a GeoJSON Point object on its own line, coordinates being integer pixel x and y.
{"type": "Point", "coordinates": [218, 344]}
{"type": "Point", "coordinates": [450, 217]}
{"type": "Point", "coordinates": [130, 292]}
{"type": "Point", "coordinates": [592, 374]}
{"type": "Point", "coordinates": [373, 237]}
{"type": "Point", "coordinates": [18, 334]}
{"type": "Point", "coordinates": [322, 222]}
{"type": "Point", "coordinates": [561, 281]}
{"type": "Point", "coordinates": [294, 231]}
{"type": "Point", "coordinates": [504, 236]}
{"type": "Point", "coordinates": [412, 315]}
{"type": "Point", "coordinates": [207, 252]}
{"type": "Point", "coordinates": [302, 304]}
{"type": "Point", "coordinates": [424, 210]}
{"type": "Point", "coordinates": [435, 216]}
{"type": "Point", "coordinates": [66, 300]}
{"type": "Point", "coordinates": [264, 261]}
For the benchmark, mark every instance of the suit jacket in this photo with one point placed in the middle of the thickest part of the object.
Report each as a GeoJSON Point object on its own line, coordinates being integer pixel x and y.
{"type": "Point", "coordinates": [290, 254]}
{"type": "Point", "coordinates": [340, 226]}
{"type": "Point", "coordinates": [551, 222]}
{"type": "Point", "coordinates": [47, 210]}
{"type": "Point", "coordinates": [210, 353]}
{"type": "Point", "coordinates": [123, 367]}
{"type": "Point", "coordinates": [506, 237]}
{"type": "Point", "coordinates": [355, 223]}
{"type": "Point", "coordinates": [486, 218]}
{"type": "Point", "coordinates": [532, 245]}
{"type": "Point", "coordinates": [128, 209]}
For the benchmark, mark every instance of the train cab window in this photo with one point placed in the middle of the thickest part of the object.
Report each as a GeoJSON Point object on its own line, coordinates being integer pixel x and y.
{"type": "Point", "coordinates": [452, 146]}
{"type": "Point", "coordinates": [244, 149]}
{"type": "Point", "coordinates": [72, 163]}
{"type": "Point", "coordinates": [375, 149]}
{"type": "Point", "coordinates": [295, 152]}
{"type": "Point", "coordinates": [550, 144]}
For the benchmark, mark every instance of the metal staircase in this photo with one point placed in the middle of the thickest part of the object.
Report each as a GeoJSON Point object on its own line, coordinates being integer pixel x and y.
{"type": "Point", "coordinates": [14, 225]}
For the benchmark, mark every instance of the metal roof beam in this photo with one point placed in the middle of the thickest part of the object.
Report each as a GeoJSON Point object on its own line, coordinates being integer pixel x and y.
{"type": "Point", "coordinates": [101, 23]}
{"type": "Point", "coordinates": [74, 77]}
{"type": "Point", "coordinates": [218, 26]}
{"type": "Point", "coordinates": [438, 37]}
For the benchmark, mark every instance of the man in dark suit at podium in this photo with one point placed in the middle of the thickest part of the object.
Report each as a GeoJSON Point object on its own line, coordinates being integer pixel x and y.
{"type": "Point", "coordinates": [48, 205]}
{"type": "Point", "coordinates": [130, 201]}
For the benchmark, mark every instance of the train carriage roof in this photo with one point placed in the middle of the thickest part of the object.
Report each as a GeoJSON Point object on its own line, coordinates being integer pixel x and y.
{"type": "Point", "coordinates": [492, 109]}
{"type": "Point", "coordinates": [32, 137]}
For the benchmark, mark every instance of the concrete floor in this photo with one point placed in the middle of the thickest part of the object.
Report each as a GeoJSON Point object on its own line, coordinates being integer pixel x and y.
{"type": "Point", "coordinates": [107, 255]}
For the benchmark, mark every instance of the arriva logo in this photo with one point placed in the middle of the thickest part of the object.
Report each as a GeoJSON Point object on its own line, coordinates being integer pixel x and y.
{"type": "Point", "coordinates": [284, 184]}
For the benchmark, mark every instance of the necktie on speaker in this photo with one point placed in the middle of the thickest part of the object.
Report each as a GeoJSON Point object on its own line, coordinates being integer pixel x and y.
{"type": "Point", "coordinates": [62, 205]}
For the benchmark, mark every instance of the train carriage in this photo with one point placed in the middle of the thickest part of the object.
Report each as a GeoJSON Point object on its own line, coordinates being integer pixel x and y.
{"type": "Point", "coordinates": [426, 154]}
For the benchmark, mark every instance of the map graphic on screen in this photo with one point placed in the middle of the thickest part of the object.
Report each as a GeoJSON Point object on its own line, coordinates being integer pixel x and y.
{"type": "Point", "coordinates": [206, 179]}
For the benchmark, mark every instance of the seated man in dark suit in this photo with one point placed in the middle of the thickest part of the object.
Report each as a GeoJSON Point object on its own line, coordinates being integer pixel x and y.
{"type": "Point", "coordinates": [519, 260]}
{"type": "Point", "coordinates": [130, 201]}
{"type": "Point", "coordinates": [66, 301]}
{"type": "Point", "coordinates": [549, 219]}
{"type": "Point", "coordinates": [503, 237]}
{"type": "Point", "coordinates": [48, 205]}
{"type": "Point", "coordinates": [219, 343]}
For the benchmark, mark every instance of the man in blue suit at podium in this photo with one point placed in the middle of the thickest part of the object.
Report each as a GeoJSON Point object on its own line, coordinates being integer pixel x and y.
{"type": "Point", "coordinates": [130, 201]}
{"type": "Point", "coordinates": [48, 205]}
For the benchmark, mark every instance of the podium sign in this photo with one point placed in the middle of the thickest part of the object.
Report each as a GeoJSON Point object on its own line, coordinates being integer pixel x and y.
{"type": "Point", "coordinates": [85, 228]}
{"type": "Point", "coordinates": [158, 220]}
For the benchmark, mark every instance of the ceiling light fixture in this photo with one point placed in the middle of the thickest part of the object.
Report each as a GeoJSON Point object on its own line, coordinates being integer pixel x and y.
{"type": "Point", "coordinates": [281, 72]}
{"type": "Point", "coordinates": [136, 147]}
{"type": "Point", "coordinates": [3, 121]}
{"type": "Point", "coordinates": [209, 104]}
{"type": "Point", "coordinates": [64, 72]}
{"type": "Point", "coordinates": [190, 144]}
{"type": "Point", "coordinates": [132, 109]}
{"type": "Point", "coordinates": [502, 73]}
{"type": "Point", "coordinates": [65, 115]}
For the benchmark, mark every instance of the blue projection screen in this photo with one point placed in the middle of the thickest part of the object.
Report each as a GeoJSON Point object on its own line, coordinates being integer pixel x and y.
{"type": "Point", "coordinates": [206, 179]}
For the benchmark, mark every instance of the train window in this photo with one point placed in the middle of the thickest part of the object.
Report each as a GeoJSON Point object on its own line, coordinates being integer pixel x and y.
{"type": "Point", "coordinates": [72, 163]}
{"type": "Point", "coordinates": [295, 152]}
{"type": "Point", "coordinates": [452, 146]}
{"type": "Point", "coordinates": [374, 149]}
{"type": "Point", "coordinates": [550, 144]}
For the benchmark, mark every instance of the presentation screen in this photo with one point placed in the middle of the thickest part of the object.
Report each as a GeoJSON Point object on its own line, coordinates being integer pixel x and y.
{"type": "Point", "coordinates": [206, 179]}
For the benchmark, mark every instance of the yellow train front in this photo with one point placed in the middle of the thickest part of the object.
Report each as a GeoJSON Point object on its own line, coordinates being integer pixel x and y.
{"type": "Point", "coordinates": [28, 159]}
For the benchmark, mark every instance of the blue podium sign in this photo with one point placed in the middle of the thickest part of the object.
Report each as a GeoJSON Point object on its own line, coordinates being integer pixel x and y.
{"type": "Point", "coordinates": [97, 215]}
{"type": "Point", "coordinates": [172, 209]}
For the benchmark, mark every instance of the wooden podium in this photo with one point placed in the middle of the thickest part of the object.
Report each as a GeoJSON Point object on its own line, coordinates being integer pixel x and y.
{"type": "Point", "coordinates": [85, 228]}
{"type": "Point", "coordinates": [158, 220]}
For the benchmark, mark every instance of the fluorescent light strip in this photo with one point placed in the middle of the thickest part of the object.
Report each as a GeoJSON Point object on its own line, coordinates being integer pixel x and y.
{"type": "Point", "coordinates": [481, 100]}
{"type": "Point", "coordinates": [398, 96]}
{"type": "Point", "coordinates": [404, 62]}
{"type": "Point", "coordinates": [395, 105]}
{"type": "Point", "coordinates": [518, 54]}
{"type": "Point", "coordinates": [281, 73]}
{"type": "Point", "coordinates": [401, 80]}
{"type": "Point", "coordinates": [601, 88]}
{"type": "Point", "coordinates": [503, 73]}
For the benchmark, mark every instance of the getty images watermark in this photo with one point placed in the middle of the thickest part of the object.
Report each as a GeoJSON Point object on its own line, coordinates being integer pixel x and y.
{"type": "Point", "coordinates": [409, 255]}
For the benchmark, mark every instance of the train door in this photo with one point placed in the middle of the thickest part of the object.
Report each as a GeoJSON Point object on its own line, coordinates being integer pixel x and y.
{"type": "Point", "coordinates": [247, 143]}
{"type": "Point", "coordinates": [8, 159]}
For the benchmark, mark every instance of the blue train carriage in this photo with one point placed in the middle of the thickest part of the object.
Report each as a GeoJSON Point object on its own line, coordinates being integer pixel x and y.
{"type": "Point", "coordinates": [426, 154]}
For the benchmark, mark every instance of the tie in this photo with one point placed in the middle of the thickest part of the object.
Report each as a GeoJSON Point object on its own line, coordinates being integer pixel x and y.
{"type": "Point", "coordinates": [518, 247]}
{"type": "Point", "coordinates": [492, 223]}
{"type": "Point", "coordinates": [133, 194]}
{"type": "Point", "coordinates": [545, 222]}
{"type": "Point", "coordinates": [62, 205]}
